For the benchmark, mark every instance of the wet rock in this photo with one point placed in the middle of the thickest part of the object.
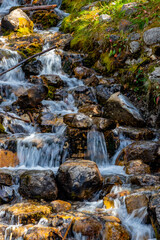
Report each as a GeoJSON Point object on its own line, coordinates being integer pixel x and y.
{"type": "Point", "coordinates": [3, 228]}
{"type": "Point", "coordinates": [26, 212]}
{"type": "Point", "coordinates": [7, 194]}
{"type": "Point", "coordinates": [17, 231]}
{"type": "Point", "coordinates": [52, 80]}
{"type": "Point", "coordinates": [92, 81]}
{"type": "Point", "coordinates": [119, 108]}
{"type": "Point", "coordinates": [83, 95]}
{"type": "Point", "coordinates": [134, 47]}
{"type": "Point", "coordinates": [78, 120]}
{"type": "Point", "coordinates": [137, 167]}
{"type": "Point", "coordinates": [91, 110]}
{"type": "Point", "coordinates": [15, 20]}
{"type": "Point", "coordinates": [105, 18]}
{"type": "Point", "coordinates": [8, 158]}
{"type": "Point", "coordinates": [112, 142]}
{"type": "Point", "coordinates": [60, 206]}
{"type": "Point", "coordinates": [6, 177]}
{"type": "Point", "coordinates": [129, 8]}
{"type": "Point", "coordinates": [114, 230]}
{"type": "Point", "coordinates": [77, 139]}
{"type": "Point", "coordinates": [88, 227]}
{"type": "Point", "coordinates": [145, 180]}
{"type": "Point", "coordinates": [32, 68]}
{"type": "Point", "coordinates": [37, 184]}
{"type": "Point", "coordinates": [83, 72]}
{"type": "Point", "coordinates": [152, 36]}
{"type": "Point", "coordinates": [103, 123]}
{"type": "Point", "coordinates": [137, 133]}
{"type": "Point", "coordinates": [154, 213]}
{"type": "Point", "coordinates": [135, 202]}
{"type": "Point", "coordinates": [147, 151]}
{"type": "Point", "coordinates": [42, 233]}
{"type": "Point", "coordinates": [103, 93]}
{"type": "Point", "coordinates": [108, 202]}
{"type": "Point", "coordinates": [79, 179]}
{"type": "Point", "coordinates": [32, 97]}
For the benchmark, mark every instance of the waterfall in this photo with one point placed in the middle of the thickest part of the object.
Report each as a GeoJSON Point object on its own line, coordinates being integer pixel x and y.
{"type": "Point", "coordinates": [96, 148]}
{"type": "Point", "coordinates": [7, 4]}
{"type": "Point", "coordinates": [42, 150]}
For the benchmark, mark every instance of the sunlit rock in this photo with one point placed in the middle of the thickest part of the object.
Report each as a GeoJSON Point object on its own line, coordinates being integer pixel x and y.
{"type": "Point", "coordinates": [136, 201]}
{"type": "Point", "coordinates": [78, 120]}
{"type": "Point", "coordinates": [60, 206]}
{"type": "Point", "coordinates": [15, 20]}
{"type": "Point", "coordinates": [116, 231]}
{"type": "Point", "coordinates": [137, 167]}
{"type": "Point", "coordinates": [8, 158]}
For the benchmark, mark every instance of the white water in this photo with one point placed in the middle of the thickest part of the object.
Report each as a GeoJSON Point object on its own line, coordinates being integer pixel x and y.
{"type": "Point", "coordinates": [6, 5]}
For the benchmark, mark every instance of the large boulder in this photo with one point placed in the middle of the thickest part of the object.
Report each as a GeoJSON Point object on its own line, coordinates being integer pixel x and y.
{"type": "Point", "coordinates": [147, 151]}
{"type": "Point", "coordinates": [15, 20]}
{"type": "Point", "coordinates": [145, 180]}
{"type": "Point", "coordinates": [119, 108]}
{"type": "Point", "coordinates": [114, 230]}
{"type": "Point", "coordinates": [32, 97]}
{"type": "Point", "coordinates": [152, 36]}
{"type": "Point", "coordinates": [8, 158]}
{"type": "Point", "coordinates": [33, 68]}
{"type": "Point", "coordinates": [137, 167]}
{"type": "Point", "coordinates": [37, 184]}
{"type": "Point", "coordinates": [136, 201]}
{"type": "Point", "coordinates": [79, 179]}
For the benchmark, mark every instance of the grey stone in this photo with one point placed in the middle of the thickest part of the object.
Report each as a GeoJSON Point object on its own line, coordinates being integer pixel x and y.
{"type": "Point", "coordinates": [155, 75]}
{"type": "Point", "coordinates": [105, 18]}
{"type": "Point", "coordinates": [134, 47]}
{"type": "Point", "coordinates": [129, 8]}
{"type": "Point", "coordinates": [134, 36]}
{"type": "Point", "coordinates": [152, 36]}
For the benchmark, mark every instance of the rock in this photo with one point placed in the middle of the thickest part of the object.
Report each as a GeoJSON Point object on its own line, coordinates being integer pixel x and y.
{"type": "Point", "coordinates": [60, 206]}
{"type": "Point", "coordinates": [134, 46]}
{"type": "Point", "coordinates": [77, 139]}
{"type": "Point", "coordinates": [78, 120]}
{"type": "Point", "coordinates": [15, 20]}
{"type": "Point", "coordinates": [52, 80]}
{"type": "Point", "coordinates": [114, 230]}
{"type": "Point", "coordinates": [7, 194]}
{"type": "Point", "coordinates": [137, 167]}
{"type": "Point", "coordinates": [136, 201]}
{"type": "Point", "coordinates": [88, 227]}
{"type": "Point", "coordinates": [147, 151]}
{"type": "Point", "coordinates": [155, 75]}
{"type": "Point", "coordinates": [42, 233]}
{"type": "Point", "coordinates": [105, 18]}
{"type": "Point", "coordinates": [129, 8]}
{"type": "Point", "coordinates": [145, 180]}
{"type": "Point", "coordinates": [134, 36]}
{"type": "Point", "coordinates": [33, 68]}
{"type": "Point", "coordinates": [83, 95]}
{"type": "Point", "coordinates": [36, 184]}
{"type": "Point", "coordinates": [26, 213]}
{"type": "Point", "coordinates": [82, 72]}
{"type": "Point", "coordinates": [120, 109]}
{"type": "Point", "coordinates": [32, 97]}
{"type": "Point", "coordinates": [104, 92]}
{"type": "Point", "coordinates": [108, 202]}
{"type": "Point", "coordinates": [91, 110]}
{"type": "Point", "coordinates": [103, 123]}
{"type": "Point", "coordinates": [125, 25]}
{"type": "Point", "coordinates": [137, 133]}
{"type": "Point", "coordinates": [113, 38]}
{"type": "Point", "coordinates": [17, 231]}
{"type": "Point", "coordinates": [8, 158]}
{"type": "Point", "coordinates": [154, 213]}
{"type": "Point", "coordinates": [92, 81]}
{"type": "Point", "coordinates": [152, 36]}
{"type": "Point", "coordinates": [6, 177]}
{"type": "Point", "coordinates": [79, 179]}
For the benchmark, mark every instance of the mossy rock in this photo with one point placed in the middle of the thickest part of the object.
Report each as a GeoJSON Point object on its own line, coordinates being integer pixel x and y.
{"type": "Point", "coordinates": [29, 50]}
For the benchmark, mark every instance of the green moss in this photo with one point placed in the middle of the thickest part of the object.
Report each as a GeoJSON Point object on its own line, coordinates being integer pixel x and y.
{"type": "Point", "coordinates": [29, 50]}
{"type": "Point", "coordinates": [2, 130]}
{"type": "Point", "coordinates": [107, 62]}
{"type": "Point", "coordinates": [51, 91]}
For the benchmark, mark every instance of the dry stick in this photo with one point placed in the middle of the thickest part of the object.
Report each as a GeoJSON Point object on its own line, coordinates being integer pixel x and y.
{"type": "Point", "coordinates": [35, 8]}
{"type": "Point", "coordinates": [27, 59]}
{"type": "Point", "coordinates": [17, 118]}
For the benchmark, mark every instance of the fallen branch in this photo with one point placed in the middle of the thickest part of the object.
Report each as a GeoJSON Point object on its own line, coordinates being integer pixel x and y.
{"type": "Point", "coordinates": [17, 118]}
{"type": "Point", "coordinates": [35, 8]}
{"type": "Point", "coordinates": [27, 59]}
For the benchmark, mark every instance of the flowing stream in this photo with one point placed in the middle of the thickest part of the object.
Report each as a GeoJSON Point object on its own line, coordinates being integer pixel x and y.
{"type": "Point", "coordinates": [37, 150]}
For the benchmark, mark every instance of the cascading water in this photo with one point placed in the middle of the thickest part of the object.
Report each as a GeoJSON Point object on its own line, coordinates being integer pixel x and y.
{"type": "Point", "coordinates": [96, 148]}
{"type": "Point", "coordinates": [6, 5]}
